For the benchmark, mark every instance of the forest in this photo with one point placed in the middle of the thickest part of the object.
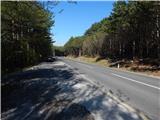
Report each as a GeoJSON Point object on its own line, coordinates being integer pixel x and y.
{"type": "Point", "coordinates": [132, 31]}
{"type": "Point", "coordinates": [95, 77]}
{"type": "Point", "coordinates": [25, 34]}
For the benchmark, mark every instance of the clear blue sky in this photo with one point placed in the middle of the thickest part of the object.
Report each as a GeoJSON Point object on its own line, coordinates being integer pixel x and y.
{"type": "Point", "coordinates": [75, 19]}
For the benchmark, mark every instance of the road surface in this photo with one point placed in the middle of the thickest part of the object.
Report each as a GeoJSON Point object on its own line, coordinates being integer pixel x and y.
{"type": "Point", "coordinates": [141, 92]}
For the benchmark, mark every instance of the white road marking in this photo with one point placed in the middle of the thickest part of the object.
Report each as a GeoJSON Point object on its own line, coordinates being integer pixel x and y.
{"type": "Point", "coordinates": [88, 66]}
{"type": "Point", "coordinates": [82, 63]}
{"type": "Point", "coordinates": [136, 81]}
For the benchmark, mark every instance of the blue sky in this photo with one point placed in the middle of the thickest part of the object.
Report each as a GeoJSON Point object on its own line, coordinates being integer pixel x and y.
{"type": "Point", "coordinates": [75, 19]}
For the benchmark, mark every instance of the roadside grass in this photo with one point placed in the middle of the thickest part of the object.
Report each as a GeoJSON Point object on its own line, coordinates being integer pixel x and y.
{"type": "Point", "coordinates": [146, 67]}
{"type": "Point", "coordinates": [95, 60]}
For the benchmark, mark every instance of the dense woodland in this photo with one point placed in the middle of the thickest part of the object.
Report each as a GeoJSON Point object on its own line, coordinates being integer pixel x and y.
{"type": "Point", "coordinates": [58, 50]}
{"type": "Point", "coordinates": [131, 31]}
{"type": "Point", "coordinates": [25, 34]}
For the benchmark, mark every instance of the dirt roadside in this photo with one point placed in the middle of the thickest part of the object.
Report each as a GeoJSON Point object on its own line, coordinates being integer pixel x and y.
{"type": "Point", "coordinates": [124, 65]}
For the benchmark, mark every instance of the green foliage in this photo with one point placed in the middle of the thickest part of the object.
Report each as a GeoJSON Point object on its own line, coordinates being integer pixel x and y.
{"type": "Point", "coordinates": [132, 30]}
{"type": "Point", "coordinates": [73, 46]}
{"type": "Point", "coordinates": [59, 50]}
{"type": "Point", "coordinates": [25, 36]}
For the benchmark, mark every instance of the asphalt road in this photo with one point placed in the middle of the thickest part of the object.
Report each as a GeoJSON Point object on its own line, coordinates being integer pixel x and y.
{"type": "Point", "coordinates": [139, 91]}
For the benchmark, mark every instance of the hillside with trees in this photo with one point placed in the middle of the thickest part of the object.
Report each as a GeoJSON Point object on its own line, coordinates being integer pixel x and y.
{"type": "Point", "coordinates": [25, 37]}
{"type": "Point", "coordinates": [132, 31]}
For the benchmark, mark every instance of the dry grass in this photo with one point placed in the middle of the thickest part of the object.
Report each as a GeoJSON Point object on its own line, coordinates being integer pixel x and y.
{"type": "Point", "coordinates": [95, 60]}
{"type": "Point", "coordinates": [133, 66]}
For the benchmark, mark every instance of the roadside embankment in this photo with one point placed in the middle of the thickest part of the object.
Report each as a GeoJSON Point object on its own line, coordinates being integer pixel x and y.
{"type": "Point", "coordinates": [148, 67]}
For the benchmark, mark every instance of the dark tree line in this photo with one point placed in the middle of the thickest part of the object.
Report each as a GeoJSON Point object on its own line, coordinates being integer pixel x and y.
{"type": "Point", "coordinates": [131, 31]}
{"type": "Point", "coordinates": [25, 34]}
{"type": "Point", "coordinates": [58, 50]}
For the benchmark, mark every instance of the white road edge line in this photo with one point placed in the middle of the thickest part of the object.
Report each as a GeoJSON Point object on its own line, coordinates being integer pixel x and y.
{"type": "Point", "coordinates": [90, 67]}
{"type": "Point", "coordinates": [136, 81]}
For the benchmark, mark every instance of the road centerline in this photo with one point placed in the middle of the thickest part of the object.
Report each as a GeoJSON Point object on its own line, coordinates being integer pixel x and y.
{"type": "Point", "coordinates": [136, 81]}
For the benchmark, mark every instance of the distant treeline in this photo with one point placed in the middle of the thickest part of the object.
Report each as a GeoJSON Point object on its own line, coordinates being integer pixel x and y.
{"type": "Point", "coordinates": [25, 34]}
{"type": "Point", "coordinates": [131, 31]}
{"type": "Point", "coordinates": [58, 50]}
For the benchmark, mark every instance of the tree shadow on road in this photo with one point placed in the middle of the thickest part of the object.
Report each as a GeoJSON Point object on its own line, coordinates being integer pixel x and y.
{"type": "Point", "coordinates": [32, 94]}
{"type": "Point", "coordinates": [48, 94]}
